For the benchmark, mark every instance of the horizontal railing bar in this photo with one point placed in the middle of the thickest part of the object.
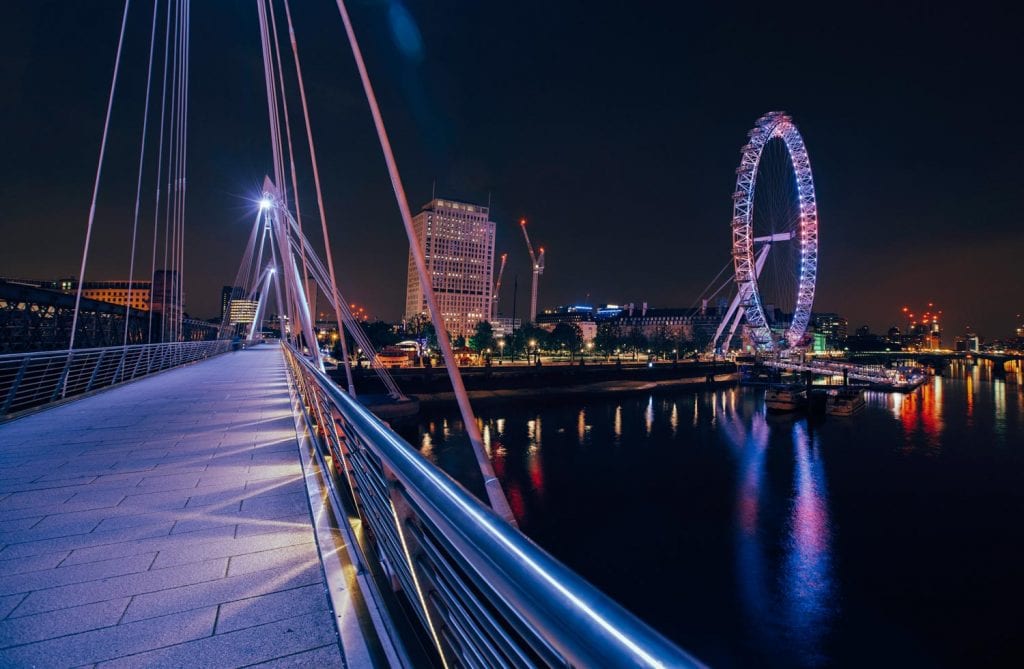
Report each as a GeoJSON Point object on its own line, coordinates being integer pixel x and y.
{"type": "Point", "coordinates": [530, 589]}
{"type": "Point", "coordinates": [35, 379]}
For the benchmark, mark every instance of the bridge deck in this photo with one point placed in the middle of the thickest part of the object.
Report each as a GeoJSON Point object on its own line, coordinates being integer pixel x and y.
{"type": "Point", "coordinates": [165, 522]}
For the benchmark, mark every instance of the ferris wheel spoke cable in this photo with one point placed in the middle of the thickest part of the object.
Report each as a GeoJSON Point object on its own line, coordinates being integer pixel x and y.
{"type": "Point", "coordinates": [704, 293]}
{"type": "Point", "coordinates": [96, 187]}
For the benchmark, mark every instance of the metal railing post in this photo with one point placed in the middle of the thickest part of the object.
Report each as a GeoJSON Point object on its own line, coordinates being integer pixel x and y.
{"type": "Point", "coordinates": [14, 387]}
{"type": "Point", "coordinates": [95, 371]}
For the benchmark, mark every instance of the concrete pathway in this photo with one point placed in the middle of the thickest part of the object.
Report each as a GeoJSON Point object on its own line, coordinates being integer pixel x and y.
{"type": "Point", "coordinates": [163, 523]}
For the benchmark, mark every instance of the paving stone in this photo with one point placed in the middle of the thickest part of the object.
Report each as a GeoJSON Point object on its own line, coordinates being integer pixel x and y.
{"type": "Point", "coordinates": [193, 552]}
{"type": "Point", "coordinates": [259, 526]}
{"type": "Point", "coordinates": [222, 590]}
{"type": "Point", "coordinates": [268, 608]}
{"type": "Point", "coordinates": [111, 642]}
{"type": "Point", "coordinates": [300, 554]}
{"type": "Point", "coordinates": [19, 524]}
{"type": "Point", "coordinates": [32, 563]}
{"type": "Point", "coordinates": [158, 543]}
{"type": "Point", "coordinates": [29, 629]}
{"type": "Point", "coordinates": [59, 576]}
{"type": "Point", "coordinates": [324, 656]}
{"type": "Point", "coordinates": [244, 647]}
{"type": "Point", "coordinates": [276, 506]}
{"type": "Point", "coordinates": [8, 603]}
{"type": "Point", "coordinates": [84, 540]}
{"type": "Point", "coordinates": [120, 586]}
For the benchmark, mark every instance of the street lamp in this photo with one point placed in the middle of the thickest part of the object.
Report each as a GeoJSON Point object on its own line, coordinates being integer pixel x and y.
{"type": "Point", "coordinates": [533, 348]}
{"type": "Point", "coordinates": [501, 348]}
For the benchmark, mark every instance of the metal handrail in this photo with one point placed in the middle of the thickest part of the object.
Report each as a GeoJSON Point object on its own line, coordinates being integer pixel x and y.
{"type": "Point", "coordinates": [485, 593]}
{"type": "Point", "coordinates": [32, 380]}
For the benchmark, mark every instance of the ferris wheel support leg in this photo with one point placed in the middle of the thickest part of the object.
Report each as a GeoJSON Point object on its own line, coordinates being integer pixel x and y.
{"type": "Point", "coordinates": [732, 329]}
{"type": "Point", "coordinates": [728, 316]}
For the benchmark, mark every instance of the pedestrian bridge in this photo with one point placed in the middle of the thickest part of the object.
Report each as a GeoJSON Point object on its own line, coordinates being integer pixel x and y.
{"type": "Point", "coordinates": [242, 510]}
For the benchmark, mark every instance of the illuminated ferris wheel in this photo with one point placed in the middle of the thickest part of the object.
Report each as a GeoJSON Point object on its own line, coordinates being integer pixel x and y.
{"type": "Point", "coordinates": [774, 238]}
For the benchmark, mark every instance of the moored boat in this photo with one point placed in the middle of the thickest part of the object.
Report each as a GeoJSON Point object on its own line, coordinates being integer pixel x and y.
{"type": "Point", "coordinates": [844, 402]}
{"type": "Point", "coordinates": [785, 398]}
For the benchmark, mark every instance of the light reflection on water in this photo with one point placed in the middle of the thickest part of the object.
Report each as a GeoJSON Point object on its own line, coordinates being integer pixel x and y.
{"type": "Point", "coordinates": [763, 571]}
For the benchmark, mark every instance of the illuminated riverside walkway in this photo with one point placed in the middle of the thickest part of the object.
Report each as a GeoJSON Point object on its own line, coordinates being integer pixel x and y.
{"type": "Point", "coordinates": [166, 522]}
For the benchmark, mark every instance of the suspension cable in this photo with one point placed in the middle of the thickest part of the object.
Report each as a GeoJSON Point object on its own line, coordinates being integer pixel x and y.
{"type": "Point", "coordinates": [96, 183]}
{"type": "Point", "coordinates": [495, 494]}
{"type": "Point", "coordinates": [320, 275]}
{"type": "Point", "coordinates": [319, 202]}
{"type": "Point", "coordinates": [183, 166]}
{"type": "Point", "coordinates": [159, 175]}
{"type": "Point", "coordinates": [138, 184]}
{"type": "Point", "coordinates": [172, 109]}
{"type": "Point", "coordinates": [291, 153]}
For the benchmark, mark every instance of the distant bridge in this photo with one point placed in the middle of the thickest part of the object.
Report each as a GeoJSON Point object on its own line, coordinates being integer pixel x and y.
{"type": "Point", "coordinates": [897, 379]}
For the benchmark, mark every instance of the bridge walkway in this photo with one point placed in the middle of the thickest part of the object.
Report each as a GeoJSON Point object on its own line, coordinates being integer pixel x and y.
{"type": "Point", "coordinates": [165, 522]}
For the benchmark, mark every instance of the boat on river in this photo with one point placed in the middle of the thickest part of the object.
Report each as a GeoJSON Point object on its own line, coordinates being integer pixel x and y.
{"type": "Point", "coordinates": [844, 402]}
{"type": "Point", "coordinates": [785, 398]}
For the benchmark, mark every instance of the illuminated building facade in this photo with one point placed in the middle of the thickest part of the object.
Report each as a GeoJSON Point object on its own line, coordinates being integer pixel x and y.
{"type": "Point", "coordinates": [833, 329]}
{"type": "Point", "coordinates": [228, 293]}
{"type": "Point", "coordinates": [242, 311]}
{"type": "Point", "coordinates": [111, 292]}
{"type": "Point", "coordinates": [457, 241]}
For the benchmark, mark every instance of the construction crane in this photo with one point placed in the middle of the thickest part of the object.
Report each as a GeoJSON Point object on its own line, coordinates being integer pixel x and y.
{"type": "Point", "coordinates": [497, 287]}
{"type": "Point", "coordinates": [538, 269]}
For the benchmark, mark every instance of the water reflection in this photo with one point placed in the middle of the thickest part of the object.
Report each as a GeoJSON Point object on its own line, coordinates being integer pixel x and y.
{"type": "Point", "coordinates": [999, 397]}
{"type": "Point", "coordinates": [649, 415]}
{"type": "Point", "coordinates": [747, 506]}
{"type": "Point", "coordinates": [807, 576]}
{"type": "Point", "coordinates": [788, 603]}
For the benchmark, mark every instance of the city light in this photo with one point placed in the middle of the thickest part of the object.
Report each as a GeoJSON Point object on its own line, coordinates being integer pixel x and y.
{"type": "Point", "coordinates": [266, 203]}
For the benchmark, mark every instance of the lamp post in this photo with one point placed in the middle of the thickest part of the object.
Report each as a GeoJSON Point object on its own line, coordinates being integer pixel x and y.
{"type": "Point", "coordinates": [533, 350]}
{"type": "Point", "coordinates": [501, 349]}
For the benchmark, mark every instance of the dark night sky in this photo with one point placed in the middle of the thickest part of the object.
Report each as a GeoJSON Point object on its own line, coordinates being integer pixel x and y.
{"type": "Point", "coordinates": [615, 127]}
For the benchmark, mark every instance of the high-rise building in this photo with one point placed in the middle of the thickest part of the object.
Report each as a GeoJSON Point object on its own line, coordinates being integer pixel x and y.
{"type": "Point", "coordinates": [457, 241]}
{"type": "Point", "coordinates": [832, 327]}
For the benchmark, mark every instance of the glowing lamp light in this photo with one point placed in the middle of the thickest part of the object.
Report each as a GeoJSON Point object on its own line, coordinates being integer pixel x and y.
{"type": "Point", "coordinates": [266, 203]}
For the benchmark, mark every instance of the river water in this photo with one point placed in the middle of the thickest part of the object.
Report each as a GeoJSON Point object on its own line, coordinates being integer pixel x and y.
{"type": "Point", "coordinates": [895, 537]}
